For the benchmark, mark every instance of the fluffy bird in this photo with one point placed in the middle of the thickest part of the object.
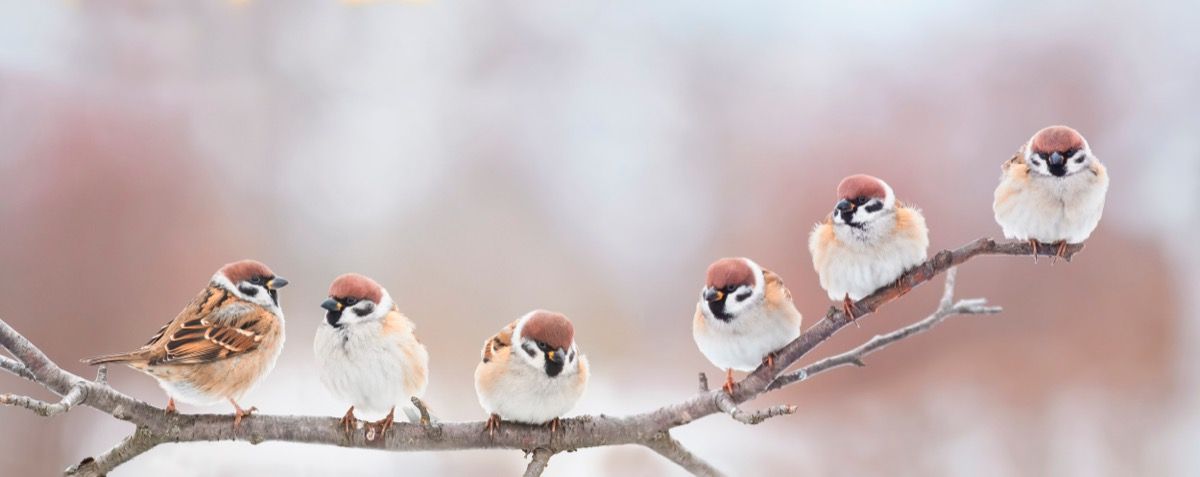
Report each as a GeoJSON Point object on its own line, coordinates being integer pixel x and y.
{"type": "Point", "coordinates": [367, 352]}
{"type": "Point", "coordinates": [745, 314]}
{"type": "Point", "coordinates": [218, 347]}
{"type": "Point", "coordinates": [1052, 190]}
{"type": "Point", "coordinates": [531, 372]}
{"type": "Point", "coordinates": [867, 242]}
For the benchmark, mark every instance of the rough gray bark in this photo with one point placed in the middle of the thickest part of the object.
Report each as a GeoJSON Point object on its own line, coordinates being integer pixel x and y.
{"type": "Point", "coordinates": [649, 429]}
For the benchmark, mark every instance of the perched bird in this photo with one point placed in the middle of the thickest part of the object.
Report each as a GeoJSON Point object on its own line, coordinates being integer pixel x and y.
{"type": "Point", "coordinates": [1052, 190]}
{"type": "Point", "coordinates": [867, 242]}
{"type": "Point", "coordinates": [367, 352]}
{"type": "Point", "coordinates": [531, 372]}
{"type": "Point", "coordinates": [220, 345]}
{"type": "Point", "coordinates": [744, 316]}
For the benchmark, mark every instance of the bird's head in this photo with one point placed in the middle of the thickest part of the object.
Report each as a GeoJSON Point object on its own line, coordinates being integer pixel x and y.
{"type": "Point", "coordinates": [732, 286]}
{"type": "Point", "coordinates": [252, 281]}
{"type": "Point", "coordinates": [1058, 151]}
{"type": "Point", "coordinates": [546, 340]}
{"type": "Point", "coordinates": [861, 200]}
{"type": "Point", "coordinates": [355, 298]}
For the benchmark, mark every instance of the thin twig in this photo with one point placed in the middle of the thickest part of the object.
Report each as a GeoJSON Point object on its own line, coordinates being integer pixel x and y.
{"type": "Point", "coordinates": [45, 409]}
{"type": "Point", "coordinates": [726, 404]}
{"type": "Point", "coordinates": [132, 446]}
{"type": "Point", "coordinates": [703, 385]}
{"type": "Point", "coordinates": [668, 447]}
{"type": "Point", "coordinates": [974, 306]}
{"type": "Point", "coordinates": [15, 367]}
{"type": "Point", "coordinates": [539, 461]}
{"type": "Point", "coordinates": [423, 410]}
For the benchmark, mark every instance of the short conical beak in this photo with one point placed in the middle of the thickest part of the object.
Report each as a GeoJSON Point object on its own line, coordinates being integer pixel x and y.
{"type": "Point", "coordinates": [331, 305]}
{"type": "Point", "coordinates": [277, 283]}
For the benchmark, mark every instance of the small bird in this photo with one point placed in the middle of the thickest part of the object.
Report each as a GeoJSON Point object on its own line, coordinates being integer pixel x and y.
{"type": "Point", "coordinates": [745, 314]}
{"type": "Point", "coordinates": [868, 241]}
{"type": "Point", "coordinates": [1051, 191]}
{"type": "Point", "coordinates": [532, 371]}
{"type": "Point", "coordinates": [218, 347]}
{"type": "Point", "coordinates": [367, 352]}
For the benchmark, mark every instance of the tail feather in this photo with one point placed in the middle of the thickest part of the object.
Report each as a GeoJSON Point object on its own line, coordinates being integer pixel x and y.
{"type": "Point", "coordinates": [114, 358]}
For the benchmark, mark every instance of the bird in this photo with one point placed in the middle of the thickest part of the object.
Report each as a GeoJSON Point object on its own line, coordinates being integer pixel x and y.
{"type": "Point", "coordinates": [531, 371]}
{"type": "Point", "coordinates": [1052, 191]}
{"type": "Point", "coordinates": [745, 314]}
{"type": "Point", "coordinates": [220, 345]}
{"type": "Point", "coordinates": [868, 241]}
{"type": "Point", "coordinates": [367, 353]}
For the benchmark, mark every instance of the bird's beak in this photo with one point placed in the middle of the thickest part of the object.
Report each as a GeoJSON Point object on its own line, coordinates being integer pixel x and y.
{"type": "Point", "coordinates": [556, 356]}
{"type": "Point", "coordinates": [276, 283]}
{"type": "Point", "coordinates": [331, 305]}
{"type": "Point", "coordinates": [845, 205]}
{"type": "Point", "coordinates": [1056, 159]}
{"type": "Point", "coordinates": [712, 294]}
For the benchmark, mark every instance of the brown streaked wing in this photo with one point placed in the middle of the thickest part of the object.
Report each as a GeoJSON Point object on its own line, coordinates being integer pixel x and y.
{"type": "Point", "coordinates": [231, 330]}
{"type": "Point", "coordinates": [501, 340]}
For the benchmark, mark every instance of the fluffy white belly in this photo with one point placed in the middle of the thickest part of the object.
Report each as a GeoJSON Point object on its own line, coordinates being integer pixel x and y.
{"type": "Point", "coordinates": [528, 395]}
{"type": "Point", "coordinates": [1051, 209]}
{"type": "Point", "coordinates": [860, 270]}
{"type": "Point", "coordinates": [743, 343]}
{"type": "Point", "coordinates": [362, 368]}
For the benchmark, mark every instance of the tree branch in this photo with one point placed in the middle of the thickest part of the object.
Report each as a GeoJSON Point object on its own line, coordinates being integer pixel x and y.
{"type": "Point", "coordinates": [649, 428]}
{"type": "Point", "coordinates": [539, 461]}
{"type": "Point", "coordinates": [946, 309]}
{"type": "Point", "coordinates": [668, 447]}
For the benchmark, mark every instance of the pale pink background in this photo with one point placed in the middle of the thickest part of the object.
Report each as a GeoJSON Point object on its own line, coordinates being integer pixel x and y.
{"type": "Point", "coordinates": [484, 158]}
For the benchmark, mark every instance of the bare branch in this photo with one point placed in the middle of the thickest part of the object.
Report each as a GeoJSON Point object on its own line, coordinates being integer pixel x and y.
{"type": "Point", "coordinates": [43, 408]}
{"type": "Point", "coordinates": [12, 366]}
{"type": "Point", "coordinates": [976, 306]}
{"type": "Point", "coordinates": [668, 447]}
{"type": "Point", "coordinates": [132, 446]}
{"type": "Point", "coordinates": [648, 428]}
{"type": "Point", "coordinates": [537, 464]}
{"type": "Point", "coordinates": [725, 403]}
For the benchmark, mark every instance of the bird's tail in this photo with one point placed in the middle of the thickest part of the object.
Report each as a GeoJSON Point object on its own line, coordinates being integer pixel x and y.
{"type": "Point", "coordinates": [114, 358]}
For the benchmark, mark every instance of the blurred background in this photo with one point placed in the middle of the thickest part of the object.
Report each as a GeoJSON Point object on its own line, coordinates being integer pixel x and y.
{"type": "Point", "coordinates": [481, 159]}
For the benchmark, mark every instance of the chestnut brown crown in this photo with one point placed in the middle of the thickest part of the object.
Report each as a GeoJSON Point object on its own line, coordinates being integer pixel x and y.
{"type": "Point", "coordinates": [861, 185]}
{"type": "Point", "coordinates": [1058, 139]}
{"type": "Point", "coordinates": [549, 327]}
{"type": "Point", "coordinates": [729, 273]}
{"type": "Point", "coordinates": [357, 286]}
{"type": "Point", "coordinates": [244, 270]}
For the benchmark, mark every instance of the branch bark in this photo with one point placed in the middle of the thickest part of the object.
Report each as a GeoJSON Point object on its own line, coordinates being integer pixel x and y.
{"type": "Point", "coordinates": [649, 428]}
{"type": "Point", "coordinates": [540, 458]}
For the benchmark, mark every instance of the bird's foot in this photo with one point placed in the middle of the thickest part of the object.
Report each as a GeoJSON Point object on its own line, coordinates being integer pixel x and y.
{"type": "Point", "coordinates": [1061, 253]}
{"type": "Point", "coordinates": [769, 360]}
{"type": "Point", "coordinates": [554, 425]}
{"type": "Point", "coordinates": [728, 386]}
{"type": "Point", "coordinates": [492, 425]}
{"type": "Point", "coordinates": [349, 421]}
{"type": "Point", "coordinates": [240, 413]}
{"type": "Point", "coordinates": [379, 428]}
{"type": "Point", "coordinates": [170, 406]}
{"type": "Point", "coordinates": [1034, 244]}
{"type": "Point", "coordinates": [848, 309]}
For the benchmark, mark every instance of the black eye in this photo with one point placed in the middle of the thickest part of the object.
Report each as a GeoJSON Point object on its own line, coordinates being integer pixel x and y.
{"type": "Point", "coordinates": [257, 280]}
{"type": "Point", "coordinates": [350, 301]}
{"type": "Point", "coordinates": [542, 346]}
{"type": "Point", "coordinates": [729, 289]}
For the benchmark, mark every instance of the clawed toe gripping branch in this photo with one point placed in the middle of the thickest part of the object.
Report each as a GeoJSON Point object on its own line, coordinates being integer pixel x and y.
{"type": "Point", "coordinates": [153, 426]}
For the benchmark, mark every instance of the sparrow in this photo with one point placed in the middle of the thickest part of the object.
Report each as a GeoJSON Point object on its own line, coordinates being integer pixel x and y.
{"type": "Point", "coordinates": [868, 241]}
{"type": "Point", "coordinates": [367, 353]}
{"type": "Point", "coordinates": [1052, 190]}
{"type": "Point", "coordinates": [744, 315]}
{"type": "Point", "coordinates": [531, 372]}
{"type": "Point", "coordinates": [220, 345]}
